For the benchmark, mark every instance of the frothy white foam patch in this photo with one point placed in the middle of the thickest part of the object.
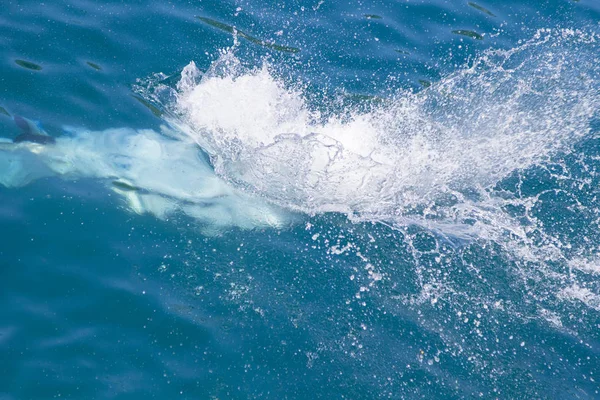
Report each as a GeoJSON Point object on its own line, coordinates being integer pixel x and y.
{"type": "Point", "coordinates": [153, 172]}
{"type": "Point", "coordinates": [448, 145]}
{"type": "Point", "coordinates": [587, 266]}
{"type": "Point", "coordinates": [582, 294]}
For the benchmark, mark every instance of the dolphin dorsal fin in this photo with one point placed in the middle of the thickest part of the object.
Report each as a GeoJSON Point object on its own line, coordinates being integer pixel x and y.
{"type": "Point", "coordinates": [31, 132]}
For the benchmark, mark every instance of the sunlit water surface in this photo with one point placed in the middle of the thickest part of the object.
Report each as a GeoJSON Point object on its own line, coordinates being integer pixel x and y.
{"type": "Point", "coordinates": [300, 200]}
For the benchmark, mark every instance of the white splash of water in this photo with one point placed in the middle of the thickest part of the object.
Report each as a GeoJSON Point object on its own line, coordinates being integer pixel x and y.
{"type": "Point", "coordinates": [437, 158]}
{"type": "Point", "coordinates": [432, 156]}
{"type": "Point", "coordinates": [448, 145]}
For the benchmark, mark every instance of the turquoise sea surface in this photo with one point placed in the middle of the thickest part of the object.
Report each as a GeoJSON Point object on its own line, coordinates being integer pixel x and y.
{"type": "Point", "coordinates": [299, 199]}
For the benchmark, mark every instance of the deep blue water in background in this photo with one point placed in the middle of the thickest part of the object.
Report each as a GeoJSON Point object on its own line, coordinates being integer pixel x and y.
{"type": "Point", "coordinates": [99, 302]}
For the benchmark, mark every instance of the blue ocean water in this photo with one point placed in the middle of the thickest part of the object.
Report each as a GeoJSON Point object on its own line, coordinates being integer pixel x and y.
{"type": "Point", "coordinates": [300, 199]}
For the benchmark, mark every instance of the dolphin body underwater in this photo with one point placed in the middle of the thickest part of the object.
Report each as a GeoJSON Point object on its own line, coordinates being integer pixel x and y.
{"type": "Point", "coordinates": [153, 172]}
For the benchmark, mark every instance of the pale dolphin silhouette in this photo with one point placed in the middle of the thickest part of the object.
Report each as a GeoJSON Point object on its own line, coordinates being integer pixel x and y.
{"type": "Point", "coordinates": [155, 173]}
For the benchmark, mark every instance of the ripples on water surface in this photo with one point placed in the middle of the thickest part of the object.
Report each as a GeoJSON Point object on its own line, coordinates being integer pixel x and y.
{"type": "Point", "coordinates": [300, 199]}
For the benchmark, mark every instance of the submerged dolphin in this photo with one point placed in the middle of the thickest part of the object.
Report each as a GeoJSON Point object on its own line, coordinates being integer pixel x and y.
{"type": "Point", "coordinates": [159, 173]}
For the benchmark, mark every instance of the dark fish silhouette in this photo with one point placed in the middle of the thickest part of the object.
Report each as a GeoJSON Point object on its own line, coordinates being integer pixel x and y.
{"type": "Point", "coordinates": [30, 132]}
